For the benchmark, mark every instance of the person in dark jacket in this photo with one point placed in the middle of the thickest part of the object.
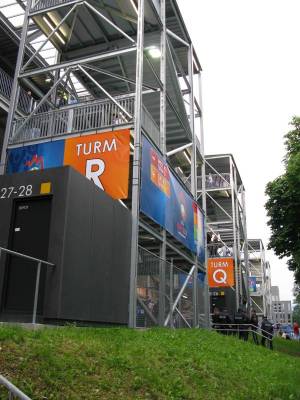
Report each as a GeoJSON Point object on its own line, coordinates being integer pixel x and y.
{"type": "Point", "coordinates": [254, 325]}
{"type": "Point", "coordinates": [241, 320]}
{"type": "Point", "coordinates": [209, 244]}
{"type": "Point", "coordinates": [216, 320]}
{"type": "Point", "coordinates": [267, 332]}
{"type": "Point", "coordinates": [226, 322]}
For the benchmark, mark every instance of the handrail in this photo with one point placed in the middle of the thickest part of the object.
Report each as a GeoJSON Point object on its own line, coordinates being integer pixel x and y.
{"type": "Point", "coordinates": [247, 325]}
{"type": "Point", "coordinates": [15, 253]}
{"type": "Point", "coordinates": [39, 262]}
{"type": "Point", "coordinates": [80, 117]}
{"type": "Point", "coordinates": [12, 389]}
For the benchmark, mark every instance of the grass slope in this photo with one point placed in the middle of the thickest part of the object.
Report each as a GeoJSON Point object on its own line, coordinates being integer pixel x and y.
{"type": "Point", "coordinates": [87, 363]}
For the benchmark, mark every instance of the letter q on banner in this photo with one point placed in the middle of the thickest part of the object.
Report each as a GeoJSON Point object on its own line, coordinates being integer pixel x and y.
{"type": "Point", "coordinates": [220, 272]}
{"type": "Point", "coordinates": [103, 158]}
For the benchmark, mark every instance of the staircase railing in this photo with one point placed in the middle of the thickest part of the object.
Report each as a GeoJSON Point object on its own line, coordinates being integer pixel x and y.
{"type": "Point", "coordinates": [241, 330]}
{"type": "Point", "coordinates": [39, 263]}
{"type": "Point", "coordinates": [6, 83]}
{"type": "Point", "coordinates": [77, 118]}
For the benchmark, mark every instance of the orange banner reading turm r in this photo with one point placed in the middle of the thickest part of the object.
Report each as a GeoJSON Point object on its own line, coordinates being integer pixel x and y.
{"type": "Point", "coordinates": [102, 158]}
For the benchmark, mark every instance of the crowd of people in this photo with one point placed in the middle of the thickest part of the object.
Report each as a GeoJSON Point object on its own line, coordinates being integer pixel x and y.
{"type": "Point", "coordinates": [241, 325]}
{"type": "Point", "coordinates": [288, 332]}
{"type": "Point", "coordinates": [216, 247]}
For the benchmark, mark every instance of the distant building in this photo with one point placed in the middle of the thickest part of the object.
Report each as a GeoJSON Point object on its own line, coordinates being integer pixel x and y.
{"type": "Point", "coordinates": [281, 309]}
{"type": "Point", "coordinates": [275, 293]}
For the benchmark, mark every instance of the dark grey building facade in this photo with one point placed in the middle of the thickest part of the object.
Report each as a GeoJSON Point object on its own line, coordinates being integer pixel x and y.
{"type": "Point", "coordinates": [59, 216]}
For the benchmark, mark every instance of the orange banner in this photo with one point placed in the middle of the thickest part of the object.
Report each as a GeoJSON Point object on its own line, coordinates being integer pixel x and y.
{"type": "Point", "coordinates": [102, 158]}
{"type": "Point", "coordinates": [220, 272]}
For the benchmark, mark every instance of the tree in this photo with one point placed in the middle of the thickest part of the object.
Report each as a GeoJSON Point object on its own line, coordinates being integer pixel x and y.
{"type": "Point", "coordinates": [296, 312]}
{"type": "Point", "coordinates": [283, 205]}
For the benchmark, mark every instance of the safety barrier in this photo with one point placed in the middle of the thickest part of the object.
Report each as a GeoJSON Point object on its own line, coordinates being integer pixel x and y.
{"type": "Point", "coordinates": [243, 330]}
{"type": "Point", "coordinates": [77, 118]}
{"type": "Point", "coordinates": [13, 391]}
{"type": "Point", "coordinates": [164, 293]}
{"type": "Point", "coordinates": [6, 83]}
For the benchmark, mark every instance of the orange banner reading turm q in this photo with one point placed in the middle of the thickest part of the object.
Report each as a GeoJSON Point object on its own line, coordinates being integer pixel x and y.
{"type": "Point", "coordinates": [102, 158]}
{"type": "Point", "coordinates": [220, 272]}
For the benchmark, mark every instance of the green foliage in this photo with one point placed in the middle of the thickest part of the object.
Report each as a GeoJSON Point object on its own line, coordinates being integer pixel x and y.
{"type": "Point", "coordinates": [118, 363]}
{"type": "Point", "coordinates": [296, 313]}
{"type": "Point", "coordinates": [283, 205]}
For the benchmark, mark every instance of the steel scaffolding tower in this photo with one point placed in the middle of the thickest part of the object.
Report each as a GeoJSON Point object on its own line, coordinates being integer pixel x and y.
{"type": "Point", "coordinates": [259, 269]}
{"type": "Point", "coordinates": [226, 218]}
{"type": "Point", "coordinates": [128, 64]}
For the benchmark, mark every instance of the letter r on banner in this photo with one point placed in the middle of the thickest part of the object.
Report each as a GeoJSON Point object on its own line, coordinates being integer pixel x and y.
{"type": "Point", "coordinates": [94, 169]}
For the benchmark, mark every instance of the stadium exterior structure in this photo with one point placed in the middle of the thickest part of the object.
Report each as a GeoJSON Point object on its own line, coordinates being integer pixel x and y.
{"type": "Point", "coordinates": [121, 67]}
{"type": "Point", "coordinates": [226, 221]}
{"type": "Point", "coordinates": [260, 276]}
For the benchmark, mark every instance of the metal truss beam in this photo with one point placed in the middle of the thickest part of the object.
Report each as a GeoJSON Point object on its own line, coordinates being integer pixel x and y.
{"type": "Point", "coordinates": [176, 37]}
{"type": "Point", "coordinates": [221, 208]}
{"type": "Point", "coordinates": [122, 78]}
{"type": "Point", "coordinates": [44, 99]}
{"type": "Point", "coordinates": [177, 63]}
{"type": "Point", "coordinates": [238, 283]}
{"type": "Point", "coordinates": [105, 92]}
{"type": "Point", "coordinates": [15, 92]}
{"type": "Point", "coordinates": [183, 287]}
{"type": "Point", "coordinates": [50, 36]}
{"type": "Point", "coordinates": [136, 169]}
{"type": "Point", "coordinates": [97, 12]}
{"type": "Point", "coordinates": [163, 148]}
{"type": "Point", "coordinates": [179, 149]}
{"type": "Point", "coordinates": [83, 60]}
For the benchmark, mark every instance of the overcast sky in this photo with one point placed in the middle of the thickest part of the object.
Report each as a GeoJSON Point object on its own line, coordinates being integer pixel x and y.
{"type": "Point", "coordinates": [249, 52]}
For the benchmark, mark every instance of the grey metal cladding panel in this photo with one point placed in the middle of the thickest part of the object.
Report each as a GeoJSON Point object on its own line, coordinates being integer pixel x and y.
{"type": "Point", "coordinates": [110, 260]}
{"type": "Point", "coordinates": [108, 299]}
{"type": "Point", "coordinates": [74, 297]}
{"type": "Point", "coordinates": [92, 288]}
{"type": "Point", "coordinates": [120, 272]}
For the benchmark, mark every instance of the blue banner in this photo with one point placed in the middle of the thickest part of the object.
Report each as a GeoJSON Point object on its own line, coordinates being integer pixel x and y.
{"type": "Point", "coordinates": [165, 201]}
{"type": "Point", "coordinates": [35, 157]}
{"type": "Point", "coordinates": [252, 284]}
{"type": "Point", "coordinates": [190, 284]}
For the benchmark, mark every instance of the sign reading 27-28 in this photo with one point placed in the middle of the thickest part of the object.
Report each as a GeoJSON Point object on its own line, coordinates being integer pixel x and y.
{"type": "Point", "coordinates": [102, 158]}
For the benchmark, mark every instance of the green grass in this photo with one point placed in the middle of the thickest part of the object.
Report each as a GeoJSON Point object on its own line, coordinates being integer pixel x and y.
{"type": "Point", "coordinates": [291, 347]}
{"type": "Point", "coordinates": [86, 363]}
